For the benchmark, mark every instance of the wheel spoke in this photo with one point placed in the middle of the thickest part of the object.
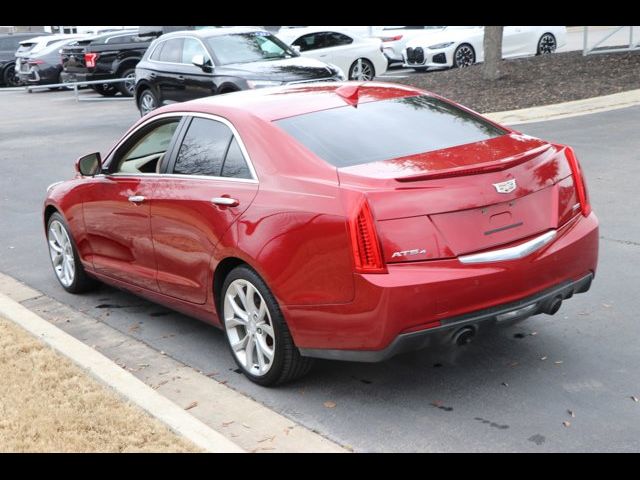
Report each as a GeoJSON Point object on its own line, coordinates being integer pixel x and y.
{"type": "Point", "coordinates": [240, 345]}
{"type": "Point", "coordinates": [54, 246]}
{"type": "Point", "coordinates": [268, 329]}
{"type": "Point", "coordinates": [260, 356]}
{"type": "Point", "coordinates": [238, 311]}
{"type": "Point", "coordinates": [242, 296]}
{"type": "Point", "coordinates": [251, 346]}
{"type": "Point", "coordinates": [265, 349]}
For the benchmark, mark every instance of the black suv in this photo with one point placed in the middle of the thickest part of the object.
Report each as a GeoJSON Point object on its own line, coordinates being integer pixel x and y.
{"type": "Point", "coordinates": [181, 66]}
{"type": "Point", "coordinates": [9, 43]}
{"type": "Point", "coordinates": [105, 57]}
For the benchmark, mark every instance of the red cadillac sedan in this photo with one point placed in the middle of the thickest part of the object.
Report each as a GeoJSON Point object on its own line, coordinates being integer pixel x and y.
{"type": "Point", "coordinates": [347, 221]}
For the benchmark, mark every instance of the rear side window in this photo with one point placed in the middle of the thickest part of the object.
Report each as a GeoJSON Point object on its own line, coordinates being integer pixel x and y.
{"type": "Point", "coordinates": [210, 148]}
{"type": "Point", "coordinates": [171, 51]}
{"type": "Point", "coordinates": [123, 39]}
{"type": "Point", "coordinates": [387, 129]}
{"type": "Point", "coordinates": [203, 149]}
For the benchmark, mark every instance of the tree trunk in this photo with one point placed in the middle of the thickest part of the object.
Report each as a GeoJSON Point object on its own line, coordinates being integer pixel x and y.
{"type": "Point", "coordinates": [491, 70]}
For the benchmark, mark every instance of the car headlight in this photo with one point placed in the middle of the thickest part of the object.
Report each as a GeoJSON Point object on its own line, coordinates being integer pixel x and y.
{"type": "Point", "coordinates": [438, 46]}
{"type": "Point", "coordinates": [339, 73]}
{"type": "Point", "coordinates": [263, 83]}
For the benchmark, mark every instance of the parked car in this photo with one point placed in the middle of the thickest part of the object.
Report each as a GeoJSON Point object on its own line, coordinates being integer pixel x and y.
{"type": "Point", "coordinates": [358, 57]}
{"type": "Point", "coordinates": [105, 57]}
{"type": "Point", "coordinates": [42, 67]}
{"type": "Point", "coordinates": [395, 38]}
{"type": "Point", "coordinates": [463, 46]}
{"type": "Point", "coordinates": [185, 65]}
{"type": "Point", "coordinates": [304, 227]}
{"type": "Point", "coordinates": [9, 43]}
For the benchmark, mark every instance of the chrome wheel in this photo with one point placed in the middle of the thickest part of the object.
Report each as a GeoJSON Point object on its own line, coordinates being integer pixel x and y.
{"type": "Point", "coordinates": [249, 328]}
{"type": "Point", "coordinates": [61, 251]}
{"type": "Point", "coordinates": [464, 56]}
{"type": "Point", "coordinates": [147, 102]}
{"type": "Point", "coordinates": [547, 44]}
{"type": "Point", "coordinates": [130, 83]}
{"type": "Point", "coordinates": [362, 70]}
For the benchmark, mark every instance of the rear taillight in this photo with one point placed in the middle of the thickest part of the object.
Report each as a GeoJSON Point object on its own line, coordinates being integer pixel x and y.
{"type": "Point", "coordinates": [36, 62]}
{"type": "Point", "coordinates": [394, 38]}
{"type": "Point", "coordinates": [367, 254]}
{"type": "Point", "coordinates": [578, 181]}
{"type": "Point", "coordinates": [90, 59]}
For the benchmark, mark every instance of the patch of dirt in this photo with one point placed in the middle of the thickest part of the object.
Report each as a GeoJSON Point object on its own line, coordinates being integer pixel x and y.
{"type": "Point", "coordinates": [534, 81]}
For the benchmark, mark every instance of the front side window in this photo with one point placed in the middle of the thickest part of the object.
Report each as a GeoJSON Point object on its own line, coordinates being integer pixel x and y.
{"type": "Point", "coordinates": [147, 152]}
{"type": "Point", "coordinates": [248, 47]}
{"type": "Point", "coordinates": [191, 48]}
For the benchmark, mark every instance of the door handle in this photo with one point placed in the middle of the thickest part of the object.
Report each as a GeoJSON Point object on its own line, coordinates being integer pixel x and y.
{"type": "Point", "coordinates": [137, 199]}
{"type": "Point", "coordinates": [225, 201]}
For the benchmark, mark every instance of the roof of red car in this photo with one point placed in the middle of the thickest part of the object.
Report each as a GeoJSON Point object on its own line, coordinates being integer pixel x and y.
{"type": "Point", "coordinates": [291, 100]}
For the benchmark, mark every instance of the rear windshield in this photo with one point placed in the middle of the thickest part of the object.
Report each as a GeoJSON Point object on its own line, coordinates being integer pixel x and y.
{"type": "Point", "coordinates": [387, 129]}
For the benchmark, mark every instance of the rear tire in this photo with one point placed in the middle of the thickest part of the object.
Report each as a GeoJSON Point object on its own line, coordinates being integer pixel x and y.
{"type": "Point", "coordinates": [105, 89]}
{"type": "Point", "coordinates": [362, 70]}
{"type": "Point", "coordinates": [128, 88]}
{"type": "Point", "coordinates": [65, 259]}
{"type": "Point", "coordinates": [147, 102]}
{"type": "Point", "coordinates": [253, 322]}
{"type": "Point", "coordinates": [10, 78]}
{"type": "Point", "coordinates": [547, 44]}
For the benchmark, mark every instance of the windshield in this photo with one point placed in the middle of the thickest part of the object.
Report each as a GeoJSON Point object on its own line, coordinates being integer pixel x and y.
{"type": "Point", "coordinates": [248, 47]}
{"type": "Point", "coordinates": [387, 129]}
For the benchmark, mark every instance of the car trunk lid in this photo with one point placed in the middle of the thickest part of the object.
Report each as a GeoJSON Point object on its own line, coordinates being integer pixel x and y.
{"type": "Point", "coordinates": [464, 199]}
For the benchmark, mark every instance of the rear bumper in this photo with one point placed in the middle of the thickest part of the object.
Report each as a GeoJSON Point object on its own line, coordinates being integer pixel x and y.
{"type": "Point", "coordinates": [434, 296]}
{"type": "Point", "coordinates": [70, 77]}
{"type": "Point", "coordinates": [451, 327]}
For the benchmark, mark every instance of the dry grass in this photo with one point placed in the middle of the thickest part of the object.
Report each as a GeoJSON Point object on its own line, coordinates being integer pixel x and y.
{"type": "Point", "coordinates": [48, 404]}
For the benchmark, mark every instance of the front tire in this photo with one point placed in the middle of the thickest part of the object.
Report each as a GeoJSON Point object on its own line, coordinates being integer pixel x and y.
{"type": "Point", "coordinates": [64, 257]}
{"type": "Point", "coordinates": [257, 334]}
{"type": "Point", "coordinates": [128, 88]}
{"type": "Point", "coordinates": [464, 56]}
{"type": "Point", "coordinates": [547, 44]}
{"type": "Point", "coordinates": [147, 102]}
{"type": "Point", "coordinates": [362, 70]}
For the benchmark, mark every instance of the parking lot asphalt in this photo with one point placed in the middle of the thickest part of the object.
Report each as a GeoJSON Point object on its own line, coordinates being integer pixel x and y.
{"type": "Point", "coordinates": [508, 391]}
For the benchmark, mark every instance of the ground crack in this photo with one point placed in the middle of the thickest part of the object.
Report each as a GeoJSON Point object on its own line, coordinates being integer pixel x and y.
{"type": "Point", "coordinates": [625, 242]}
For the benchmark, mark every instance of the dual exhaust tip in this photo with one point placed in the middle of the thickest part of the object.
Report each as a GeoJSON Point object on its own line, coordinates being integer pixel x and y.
{"type": "Point", "coordinates": [466, 334]}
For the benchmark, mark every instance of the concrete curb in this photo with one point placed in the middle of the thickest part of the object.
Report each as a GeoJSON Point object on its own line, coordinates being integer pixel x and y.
{"type": "Point", "coordinates": [567, 109]}
{"type": "Point", "coordinates": [119, 379]}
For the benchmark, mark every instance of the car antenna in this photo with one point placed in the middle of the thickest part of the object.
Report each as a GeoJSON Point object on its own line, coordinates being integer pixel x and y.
{"type": "Point", "coordinates": [350, 92]}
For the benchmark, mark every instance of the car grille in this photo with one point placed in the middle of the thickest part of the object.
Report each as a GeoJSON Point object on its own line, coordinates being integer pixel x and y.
{"type": "Point", "coordinates": [415, 55]}
{"type": "Point", "coordinates": [439, 58]}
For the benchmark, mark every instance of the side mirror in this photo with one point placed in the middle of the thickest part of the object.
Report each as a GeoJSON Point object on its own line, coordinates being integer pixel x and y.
{"type": "Point", "coordinates": [89, 165]}
{"type": "Point", "coordinates": [295, 48]}
{"type": "Point", "coordinates": [199, 61]}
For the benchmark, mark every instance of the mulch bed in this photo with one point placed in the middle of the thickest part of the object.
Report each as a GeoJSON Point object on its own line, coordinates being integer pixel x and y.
{"type": "Point", "coordinates": [534, 81]}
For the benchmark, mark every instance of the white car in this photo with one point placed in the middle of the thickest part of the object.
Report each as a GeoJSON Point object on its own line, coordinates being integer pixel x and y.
{"type": "Point", "coordinates": [358, 57]}
{"type": "Point", "coordinates": [463, 46]}
{"type": "Point", "coordinates": [395, 38]}
{"type": "Point", "coordinates": [35, 44]}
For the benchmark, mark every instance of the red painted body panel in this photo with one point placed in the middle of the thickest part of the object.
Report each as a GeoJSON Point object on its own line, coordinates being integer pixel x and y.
{"type": "Point", "coordinates": [292, 226]}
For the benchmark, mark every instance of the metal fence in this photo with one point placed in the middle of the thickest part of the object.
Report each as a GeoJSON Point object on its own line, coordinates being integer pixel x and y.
{"type": "Point", "coordinates": [75, 86]}
{"type": "Point", "coordinates": [632, 45]}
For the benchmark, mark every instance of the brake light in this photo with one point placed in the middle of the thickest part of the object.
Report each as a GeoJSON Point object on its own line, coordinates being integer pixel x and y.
{"type": "Point", "coordinates": [579, 182]}
{"type": "Point", "coordinates": [367, 254]}
{"type": "Point", "coordinates": [391, 39]}
{"type": "Point", "coordinates": [90, 59]}
{"type": "Point", "coordinates": [36, 62]}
